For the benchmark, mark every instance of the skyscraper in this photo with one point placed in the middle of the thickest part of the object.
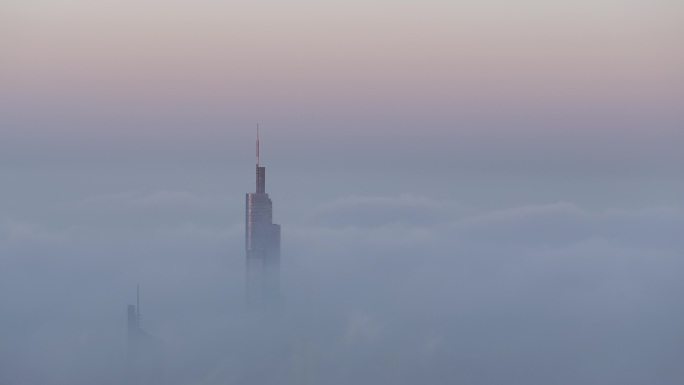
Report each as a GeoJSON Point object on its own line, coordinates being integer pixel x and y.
{"type": "Point", "coordinates": [262, 242]}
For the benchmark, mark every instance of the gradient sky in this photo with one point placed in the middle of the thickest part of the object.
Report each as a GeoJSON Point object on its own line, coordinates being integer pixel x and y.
{"type": "Point", "coordinates": [570, 97]}
{"type": "Point", "coordinates": [601, 77]}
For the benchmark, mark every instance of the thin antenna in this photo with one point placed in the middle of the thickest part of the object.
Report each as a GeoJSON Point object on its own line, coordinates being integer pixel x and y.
{"type": "Point", "coordinates": [137, 308]}
{"type": "Point", "coordinates": [257, 146]}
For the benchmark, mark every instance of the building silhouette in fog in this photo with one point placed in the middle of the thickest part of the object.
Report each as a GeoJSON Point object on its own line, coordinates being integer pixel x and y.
{"type": "Point", "coordinates": [145, 358]}
{"type": "Point", "coordinates": [262, 243]}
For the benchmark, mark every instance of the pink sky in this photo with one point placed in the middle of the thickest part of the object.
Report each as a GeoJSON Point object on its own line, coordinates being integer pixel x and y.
{"type": "Point", "coordinates": [75, 63]}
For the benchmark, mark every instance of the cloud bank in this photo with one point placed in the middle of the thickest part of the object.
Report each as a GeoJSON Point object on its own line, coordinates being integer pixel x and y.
{"type": "Point", "coordinates": [378, 289]}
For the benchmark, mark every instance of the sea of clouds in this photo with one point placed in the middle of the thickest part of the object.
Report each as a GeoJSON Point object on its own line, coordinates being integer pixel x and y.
{"type": "Point", "coordinates": [400, 289]}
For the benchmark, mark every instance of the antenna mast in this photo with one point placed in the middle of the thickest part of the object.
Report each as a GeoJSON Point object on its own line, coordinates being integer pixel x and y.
{"type": "Point", "coordinates": [260, 171]}
{"type": "Point", "coordinates": [257, 146]}
{"type": "Point", "coordinates": [137, 307]}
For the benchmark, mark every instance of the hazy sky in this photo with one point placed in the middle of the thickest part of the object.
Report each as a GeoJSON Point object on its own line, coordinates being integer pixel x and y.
{"type": "Point", "coordinates": [575, 79]}
{"type": "Point", "coordinates": [476, 192]}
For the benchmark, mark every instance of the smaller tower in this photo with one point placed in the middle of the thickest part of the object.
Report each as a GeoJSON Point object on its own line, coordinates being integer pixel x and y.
{"type": "Point", "coordinates": [145, 359]}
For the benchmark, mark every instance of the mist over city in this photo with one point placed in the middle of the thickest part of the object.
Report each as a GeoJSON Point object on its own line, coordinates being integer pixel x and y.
{"type": "Point", "coordinates": [467, 192]}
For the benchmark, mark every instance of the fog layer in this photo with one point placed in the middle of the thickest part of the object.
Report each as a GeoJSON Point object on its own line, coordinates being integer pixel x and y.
{"type": "Point", "coordinates": [400, 288]}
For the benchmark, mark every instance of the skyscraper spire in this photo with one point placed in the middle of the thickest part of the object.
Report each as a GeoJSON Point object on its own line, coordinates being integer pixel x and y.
{"type": "Point", "coordinates": [262, 242]}
{"type": "Point", "coordinates": [260, 171]}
